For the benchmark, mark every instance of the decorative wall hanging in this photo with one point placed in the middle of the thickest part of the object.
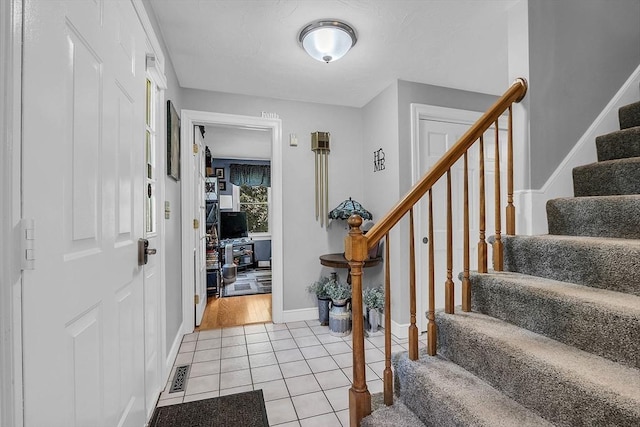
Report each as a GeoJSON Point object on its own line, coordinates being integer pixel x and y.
{"type": "Point", "coordinates": [378, 160]}
{"type": "Point", "coordinates": [320, 146]}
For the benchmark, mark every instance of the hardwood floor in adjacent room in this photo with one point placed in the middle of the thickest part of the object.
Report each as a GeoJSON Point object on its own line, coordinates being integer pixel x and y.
{"type": "Point", "coordinates": [236, 311]}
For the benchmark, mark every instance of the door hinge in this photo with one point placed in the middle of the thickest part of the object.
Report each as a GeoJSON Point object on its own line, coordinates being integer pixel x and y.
{"type": "Point", "coordinates": [196, 299]}
{"type": "Point", "coordinates": [196, 224]}
{"type": "Point", "coordinates": [28, 238]}
{"type": "Point", "coordinates": [195, 148]}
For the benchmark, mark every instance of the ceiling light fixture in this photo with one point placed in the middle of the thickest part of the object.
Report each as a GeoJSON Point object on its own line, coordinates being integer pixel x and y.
{"type": "Point", "coordinates": [327, 40]}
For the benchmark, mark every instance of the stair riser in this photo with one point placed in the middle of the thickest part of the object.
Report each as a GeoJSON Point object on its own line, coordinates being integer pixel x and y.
{"type": "Point", "coordinates": [613, 266]}
{"type": "Point", "coordinates": [443, 394]}
{"type": "Point", "coordinates": [607, 179]}
{"type": "Point", "coordinates": [535, 385]}
{"type": "Point", "coordinates": [614, 216]}
{"type": "Point", "coordinates": [629, 116]}
{"type": "Point", "coordinates": [589, 327]}
{"type": "Point", "coordinates": [621, 144]}
{"type": "Point", "coordinates": [417, 394]}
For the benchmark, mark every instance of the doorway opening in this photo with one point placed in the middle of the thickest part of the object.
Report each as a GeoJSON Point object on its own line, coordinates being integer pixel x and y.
{"type": "Point", "coordinates": [270, 152]}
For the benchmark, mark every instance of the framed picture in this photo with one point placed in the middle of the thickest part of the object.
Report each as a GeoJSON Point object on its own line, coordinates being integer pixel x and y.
{"type": "Point", "coordinates": [210, 185]}
{"type": "Point", "coordinates": [173, 142]}
{"type": "Point", "coordinates": [219, 173]}
{"type": "Point", "coordinates": [222, 185]}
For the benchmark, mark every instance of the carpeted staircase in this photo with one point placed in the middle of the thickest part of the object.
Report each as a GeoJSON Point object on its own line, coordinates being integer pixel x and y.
{"type": "Point", "coordinates": [555, 339]}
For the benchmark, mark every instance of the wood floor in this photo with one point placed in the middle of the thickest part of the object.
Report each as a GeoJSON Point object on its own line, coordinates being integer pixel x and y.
{"type": "Point", "coordinates": [236, 311]}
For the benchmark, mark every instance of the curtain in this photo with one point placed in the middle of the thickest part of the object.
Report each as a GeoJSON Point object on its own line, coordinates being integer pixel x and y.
{"type": "Point", "coordinates": [252, 175]}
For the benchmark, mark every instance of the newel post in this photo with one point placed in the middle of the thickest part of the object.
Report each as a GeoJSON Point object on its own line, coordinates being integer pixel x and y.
{"type": "Point", "coordinates": [355, 251]}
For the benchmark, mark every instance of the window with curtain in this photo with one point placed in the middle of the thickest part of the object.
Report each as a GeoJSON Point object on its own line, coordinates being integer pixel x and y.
{"type": "Point", "coordinates": [251, 175]}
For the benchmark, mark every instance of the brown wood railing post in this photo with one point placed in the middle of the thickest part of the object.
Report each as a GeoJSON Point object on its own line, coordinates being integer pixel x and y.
{"type": "Point", "coordinates": [388, 374]}
{"type": "Point", "coordinates": [432, 328]}
{"type": "Point", "coordinates": [355, 251]}
{"type": "Point", "coordinates": [466, 284]}
{"type": "Point", "coordinates": [482, 244]}
{"type": "Point", "coordinates": [413, 329]}
{"type": "Point", "coordinates": [448, 285]}
{"type": "Point", "coordinates": [497, 243]}
{"type": "Point", "coordinates": [511, 210]}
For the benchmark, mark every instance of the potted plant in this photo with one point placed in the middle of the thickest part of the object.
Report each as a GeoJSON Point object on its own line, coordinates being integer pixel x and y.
{"type": "Point", "coordinates": [340, 313]}
{"type": "Point", "coordinates": [373, 299]}
{"type": "Point", "coordinates": [338, 291]}
{"type": "Point", "coordinates": [318, 288]}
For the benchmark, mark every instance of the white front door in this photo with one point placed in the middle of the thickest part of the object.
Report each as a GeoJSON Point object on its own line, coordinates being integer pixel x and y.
{"type": "Point", "coordinates": [200, 237]}
{"type": "Point", "coordinates": [83, 121]}
{"type": "Point", "coordinates": [435, 138]}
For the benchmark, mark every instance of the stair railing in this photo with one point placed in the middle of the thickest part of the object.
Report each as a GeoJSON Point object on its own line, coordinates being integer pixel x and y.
{"type": "Point", "coordinates": [357, 245]}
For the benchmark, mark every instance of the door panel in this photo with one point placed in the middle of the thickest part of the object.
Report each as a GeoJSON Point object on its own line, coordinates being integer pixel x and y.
{"type": "Point", "coordinates": [436, 137]}
{"type": "Point", "coordinates": [83, 105]}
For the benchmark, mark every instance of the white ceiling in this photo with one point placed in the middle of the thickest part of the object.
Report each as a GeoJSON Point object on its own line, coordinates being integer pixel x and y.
{"type": "Point", "coordinates": [250, 46]}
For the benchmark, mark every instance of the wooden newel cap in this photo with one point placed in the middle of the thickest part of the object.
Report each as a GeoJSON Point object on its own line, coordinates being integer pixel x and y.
{"type": "Point", "coordinates": [354, 221]}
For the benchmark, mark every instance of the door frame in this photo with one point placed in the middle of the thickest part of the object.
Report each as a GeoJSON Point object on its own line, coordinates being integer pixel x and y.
{"type": "Point", "coordinates": [434, 113]}
{"type": "Point", "coordinates": [188, 119]}
{"type": "Point", "coordinates": [11, 409]}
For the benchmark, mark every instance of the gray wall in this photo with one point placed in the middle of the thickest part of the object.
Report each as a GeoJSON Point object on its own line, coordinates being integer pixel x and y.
{"type": "Point", "coordinates": [580, 54]}
{"type": "Point", "coordinates": [304, 239]}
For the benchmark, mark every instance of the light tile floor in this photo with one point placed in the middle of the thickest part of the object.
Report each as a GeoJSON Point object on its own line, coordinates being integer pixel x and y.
{"type": "Point", "coordinates": [304, 372]}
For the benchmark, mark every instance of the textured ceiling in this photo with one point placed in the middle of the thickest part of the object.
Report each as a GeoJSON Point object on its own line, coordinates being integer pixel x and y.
{"type": "Point", "coordinates": [250, 46]}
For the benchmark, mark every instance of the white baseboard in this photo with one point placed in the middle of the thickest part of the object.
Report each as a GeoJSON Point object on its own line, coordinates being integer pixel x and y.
{"type": "Point", "coordinates": [173, 352]}
{"type": "Point", "coordinates": [560, 183]}
{"type": "Point", "coordinates": [300, 314]}
{"type": "Point", "coordinates": [399, 330]}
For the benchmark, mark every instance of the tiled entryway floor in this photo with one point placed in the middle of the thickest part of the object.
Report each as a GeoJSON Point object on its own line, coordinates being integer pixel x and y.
{"type": "Point", "coordinates": [304, 372]}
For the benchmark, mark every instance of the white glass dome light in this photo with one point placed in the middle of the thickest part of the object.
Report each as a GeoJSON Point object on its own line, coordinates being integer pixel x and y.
{"type": "Point", "coordinates": [327, 40]}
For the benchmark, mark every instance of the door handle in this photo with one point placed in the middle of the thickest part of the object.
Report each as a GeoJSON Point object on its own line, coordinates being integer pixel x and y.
{"type": "Point", "coordinates": [144, 251]}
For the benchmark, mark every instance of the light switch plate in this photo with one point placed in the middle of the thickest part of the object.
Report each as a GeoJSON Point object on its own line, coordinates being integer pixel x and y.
{"type": "Point", "coordinates": [293, 140]}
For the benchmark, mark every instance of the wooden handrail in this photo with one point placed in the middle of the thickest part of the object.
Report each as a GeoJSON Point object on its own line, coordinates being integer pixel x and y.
{"type": "Point", "coordinates": [515, 93]}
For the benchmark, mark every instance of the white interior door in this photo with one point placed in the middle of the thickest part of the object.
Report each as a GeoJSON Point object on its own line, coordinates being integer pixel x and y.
{"type": "Point", "coordinates": [435, 138]}
{"type": "Point", "coordinates": [83, 107]}
{"type": "Point", "coordinates": [200, 238]}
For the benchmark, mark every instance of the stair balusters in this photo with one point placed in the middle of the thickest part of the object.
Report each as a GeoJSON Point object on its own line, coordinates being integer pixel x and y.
{"type": "Point", "coordinates": [482, 244]}
{"type": "Point", "coordinates": [357, 246]}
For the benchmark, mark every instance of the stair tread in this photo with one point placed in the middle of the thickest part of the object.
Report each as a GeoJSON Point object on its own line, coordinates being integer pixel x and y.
{"type": "Point", "coordinates": [396, 415]}
{"type": "Point", "coordinates": [600, 321]}
{"type": "Point", "coordinates": [602, 262]}
{"type": "Point", "coordinates": [609, 177]}
{"type": "Point", "coordinates": [579, 240]}
{"type": "Point", "coordinates": [615, 301]}
{"type": "Point", "coordinates": [619, 144]}
{"type": "Point", "coordinates": [474, 401]}
{"type": "Point", "coordinates": [608, 163]}
{"type": "Point", "coordinates": [606, 216]}
{"type": "Point", "coordinates": [593, 373]}
{"type": "Point", "coordinates": [629, 115]}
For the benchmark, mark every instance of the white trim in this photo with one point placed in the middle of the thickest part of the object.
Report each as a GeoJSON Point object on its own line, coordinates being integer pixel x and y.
{"type": "Point", "coordinates": [560, 183]}
{"type": "Point", "coordinates": [300, 315]}
{"type": "Point", "coordinates": [11, 385]}
{"type": "Point", "coordinates": [189, 118]}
